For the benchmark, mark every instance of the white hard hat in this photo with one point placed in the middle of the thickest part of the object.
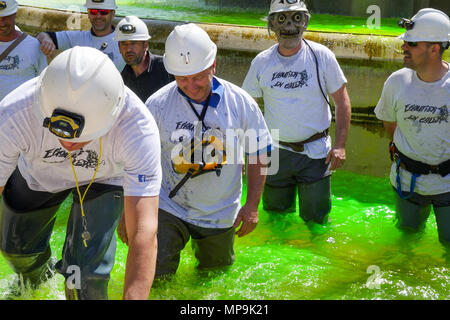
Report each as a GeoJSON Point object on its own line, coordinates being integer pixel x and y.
{"type": "Point", "coordinates": [101, 4]}
{"type": "Point", "coordinates": [287, 5]}
{"type": "Point", "coordinates": [8, 7]}
{"type": "Point", "coordinates": [81, 81]}
{"type": "Point", "coordinates": [188, 50]}
{"type": "Point", "coordinates": [131, 28]}
{"type": "Point", "coordinates": [428, 25]}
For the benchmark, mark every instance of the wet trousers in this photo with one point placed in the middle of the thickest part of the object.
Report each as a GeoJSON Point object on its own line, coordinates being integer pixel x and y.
{"type": "Point", "coordinates": [310, 178]}
{"type": "Point", "coordinates": [27, 218]}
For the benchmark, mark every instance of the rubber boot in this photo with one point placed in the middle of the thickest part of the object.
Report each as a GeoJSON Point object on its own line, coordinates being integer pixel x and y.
{"type": "Point", "coordinates": [215, 251]}
{"type": "Point", "coordinates": [24, 239]}
{"type": "Point", "coordinates": [91, 289]}
{"type": "Point", "coordinates": [32, 270]}
{"type": "Point", "coordinates": [315, 201]}
{"type": "Point", "coordinates": [279, 199]}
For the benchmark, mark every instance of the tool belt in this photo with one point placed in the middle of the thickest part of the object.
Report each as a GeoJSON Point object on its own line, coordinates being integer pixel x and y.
{"type": "Point", "coordinates": [300, 146]}
{"type": "Point", "coordinates": [415, 166]}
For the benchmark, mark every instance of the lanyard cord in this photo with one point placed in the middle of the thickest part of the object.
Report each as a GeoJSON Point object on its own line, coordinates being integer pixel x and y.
{"type": "Point", "coordinates": [85, 235]}
{"type": "Point", "coordinates": [201, 116]}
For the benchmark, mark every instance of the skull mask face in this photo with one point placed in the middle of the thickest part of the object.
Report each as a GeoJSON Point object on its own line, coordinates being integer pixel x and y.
{"type": "Point", "coordinates": [289, 27]}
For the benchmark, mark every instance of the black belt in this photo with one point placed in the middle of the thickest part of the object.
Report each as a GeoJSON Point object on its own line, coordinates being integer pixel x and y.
{"type": "Point", "coordinates": [418, 167]}
{"type": "Point", "coordinates": [300, 146]}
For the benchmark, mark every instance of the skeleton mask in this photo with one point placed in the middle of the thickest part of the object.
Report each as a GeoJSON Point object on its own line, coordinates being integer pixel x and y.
{"type": "Point", "coordinates": [289, 27]}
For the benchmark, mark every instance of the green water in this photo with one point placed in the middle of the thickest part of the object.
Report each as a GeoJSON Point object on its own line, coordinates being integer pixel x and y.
{"type": "Point", "coordinates": [358, 255]}
{"type": "Point", "coordinates": [195, 12]}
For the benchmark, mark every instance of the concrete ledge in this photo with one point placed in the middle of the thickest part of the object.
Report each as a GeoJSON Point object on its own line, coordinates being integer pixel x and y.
{"type": "Point", "coordinates": [227, 37]}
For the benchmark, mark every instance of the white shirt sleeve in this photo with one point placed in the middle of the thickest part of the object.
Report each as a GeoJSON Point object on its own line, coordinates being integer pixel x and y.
{"type": "Point", "coordinates": [334, 76]}
{"type": "Point", "coordinates": [139, 148]}
{"type": "Point", "coordinates": [385, 109]}
{"type": "Point", "coordinates": [251, 81]}
{"type": "Point", "coordinates": [11, 141]}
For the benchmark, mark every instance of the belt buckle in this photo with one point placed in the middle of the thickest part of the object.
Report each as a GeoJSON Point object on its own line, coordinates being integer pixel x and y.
{"type": "Point", "coordinates": [434, 169]}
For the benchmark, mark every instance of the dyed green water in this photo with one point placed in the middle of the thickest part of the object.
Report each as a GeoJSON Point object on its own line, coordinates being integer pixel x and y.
{"type": "Point", "coordinates": [282, 259]}
{"type": "Point", "coordinates": [196, 12]}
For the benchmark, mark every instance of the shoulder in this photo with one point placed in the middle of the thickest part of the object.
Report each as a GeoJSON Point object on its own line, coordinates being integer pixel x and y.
{"type": "Point", "coordinates": [18, 101]}
{"type": "Point", "coordinates": [319, 49]}
{"type": "Point", "coordinates": [32, 46]}
{"type": "Point", "coordinates": [163, 95]}
{"type": "Point", "coordinates": [74, 34]}
{"type": "Point", "coordinates": [156, 58]}
{"type": "Point", "coordinates": [400, 76]}
{"type": "Point", "coordinates": [157, 62]}
{"type": "Point", "coordinates": [134, 109]}
{"type": "Point", "coordinates": [265, 55]}
{"type": "Point", "coordinates": [234, 94]}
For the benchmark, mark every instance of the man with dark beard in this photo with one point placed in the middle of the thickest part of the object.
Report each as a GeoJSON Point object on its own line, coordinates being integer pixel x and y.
{"type": "Point", "coordinates": [292, 80]}
{"type": "Point", "coordinates": [144, 73]}
{"type": "Point", "coordinates": [414, 110]}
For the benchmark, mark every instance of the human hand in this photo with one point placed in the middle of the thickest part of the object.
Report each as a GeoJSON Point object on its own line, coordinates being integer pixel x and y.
{"type": "Point", "coordinates": [47, 46]}
{"type": "Point", "coordinates": [247, 219]}
{"type": "Point", "coordinates": [337, 158]}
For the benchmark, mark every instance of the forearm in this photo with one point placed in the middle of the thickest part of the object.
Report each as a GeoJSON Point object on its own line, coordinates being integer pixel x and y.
{"type": "Point", "coordinates": [140, 268]}
{"type": "Point", "coordinates": [343, 117]}
{"type": "Point", "coordinates": [141, 219]}
{"type": "Point", "coordinates": [390, 128]}
{"type": "Point", "coordinates": [256, 177]}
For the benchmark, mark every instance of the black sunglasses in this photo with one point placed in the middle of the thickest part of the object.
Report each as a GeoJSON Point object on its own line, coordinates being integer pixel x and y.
{"type": "Point", "coordinates": [412, 44]}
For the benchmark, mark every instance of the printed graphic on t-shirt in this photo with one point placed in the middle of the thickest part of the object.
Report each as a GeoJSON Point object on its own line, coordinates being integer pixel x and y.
{"type": "Point", "coordinates": [12, 62]}
{"type": "Point", "coordinates": [290, 79]}
{"type": "Point", "coordinates": [426, 114]}
{"type": "Point", "coordinates": [81, 158]}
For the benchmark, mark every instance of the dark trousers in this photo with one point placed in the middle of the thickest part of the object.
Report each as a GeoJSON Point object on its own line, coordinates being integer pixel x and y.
{"type": "Point", "coordinates": [27, 218]}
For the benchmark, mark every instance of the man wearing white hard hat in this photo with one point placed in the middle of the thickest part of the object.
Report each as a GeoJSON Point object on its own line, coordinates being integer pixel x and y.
{"type": "Point", "coordinates": [293, 79]}
{"type": "Point", "coordinates": [197, 116]}
{"type": "Point", "coordinates": [69, 131]}
{"type": "Point", "coordinates": [20, 56]}
{"type": "Point", "coordinates": [144, 72]}
{"type": "Point", "coordinates": [101, 14]}
{"type": "Point", "coordinates": [414, 107]}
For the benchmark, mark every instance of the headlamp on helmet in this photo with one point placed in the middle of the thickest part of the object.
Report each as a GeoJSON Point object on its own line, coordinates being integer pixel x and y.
{"type": "Point", "coordinates": [65, 124]}
{"type": "Point", "coordinates": [127, 29]}
{"type": "Point", "coordinates": [406, 23]}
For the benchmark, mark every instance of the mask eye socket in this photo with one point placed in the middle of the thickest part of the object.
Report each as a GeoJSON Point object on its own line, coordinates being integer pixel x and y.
{"type": "Point", "coordinates": [281, 18]}
{"type": "Point", "coordinates": [298, 17]}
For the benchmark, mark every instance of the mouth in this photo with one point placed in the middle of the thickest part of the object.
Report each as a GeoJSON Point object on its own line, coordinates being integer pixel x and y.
{"type": "Point", "coordinates": [289, 33]}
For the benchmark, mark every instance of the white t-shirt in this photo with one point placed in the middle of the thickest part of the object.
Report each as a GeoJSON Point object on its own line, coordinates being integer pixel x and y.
{"type": "Point", "coordinates": [293, 102]}
{"type": "Point", "coordinates": [130, 154]}
{"type": "Point", "coordinates": [421, 111]}
{"type": "Point", "coordinates": [106, 44]}
{"type": "Point", "coordinates": [207, 200]}
{"type": "Point", "coordinates": [23, 63]}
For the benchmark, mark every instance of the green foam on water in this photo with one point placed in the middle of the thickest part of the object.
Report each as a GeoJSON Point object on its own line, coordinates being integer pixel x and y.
{"type": "Point", "coordinates": [195, 12]}
{"type": "Point", "coordinates": [359, 254]}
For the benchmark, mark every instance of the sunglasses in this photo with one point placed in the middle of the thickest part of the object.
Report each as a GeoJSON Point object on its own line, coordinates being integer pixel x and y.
{"type": "Point", "coordinates": [103, 12]}
{"type": "Point", "coordinates": [412, 44]}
